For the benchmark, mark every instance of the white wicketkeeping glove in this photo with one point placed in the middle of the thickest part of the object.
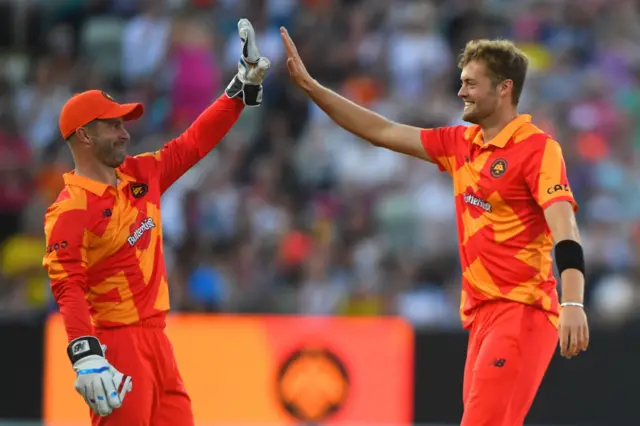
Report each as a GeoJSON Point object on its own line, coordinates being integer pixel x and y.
{"type": "Point", "coordinates": [252, 68]}
{"type": "Point", "coordinates": [100, 384]}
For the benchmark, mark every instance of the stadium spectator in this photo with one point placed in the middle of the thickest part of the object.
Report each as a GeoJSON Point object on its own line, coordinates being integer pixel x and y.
{"type": "Point", "coordinates": [290, 214]}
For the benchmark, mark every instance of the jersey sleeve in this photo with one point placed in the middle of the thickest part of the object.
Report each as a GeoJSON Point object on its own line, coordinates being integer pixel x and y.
{"type": "Point", "coordinates": [179, 155]}
{"type": "Point", "coordinates": [65, 261]}
{"type": "Point", "coordinates": [546, 176]}
{"type": "Point", "coordinates": [441, 145]}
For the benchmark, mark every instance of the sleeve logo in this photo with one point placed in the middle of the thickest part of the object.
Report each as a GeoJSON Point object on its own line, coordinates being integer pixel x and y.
{"type": "Point", "coordinates": [558, 188]}
{"type": "Point", "coordinates": [498, 168]}
{"type": "Point", "coordinates": [57, 246]}
{"type": "Point", "coordinates": [139, 190]}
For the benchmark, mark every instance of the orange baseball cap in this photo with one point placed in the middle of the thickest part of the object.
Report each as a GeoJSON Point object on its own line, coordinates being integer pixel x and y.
{"type": "Point", "coordinates": [91, 105]}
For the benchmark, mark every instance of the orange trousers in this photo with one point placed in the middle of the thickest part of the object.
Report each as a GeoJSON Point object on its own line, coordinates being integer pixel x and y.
{"type": "Point", "coordinates": [510, 348]}
{"type": "Point", "coordinates": [158, 396]}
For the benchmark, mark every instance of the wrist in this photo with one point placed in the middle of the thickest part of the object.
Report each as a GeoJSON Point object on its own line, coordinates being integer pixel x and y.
{"type": "Point", "coordinates": [311, 86]}
{"type": "Point", "coordinates": [572, 286]}
{"type": "Point", "coordinates": [572, 304]}
{"type": "Point", "coordinates": [83, 347]}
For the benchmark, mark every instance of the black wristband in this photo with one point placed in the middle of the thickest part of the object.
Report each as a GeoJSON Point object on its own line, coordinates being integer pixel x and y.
{"type": "Point", "coordinates": [569, 255]}
{"type": "Point", "coordinates": [83, 347]}
{"type": "Point", "coordinates": [250, 94]}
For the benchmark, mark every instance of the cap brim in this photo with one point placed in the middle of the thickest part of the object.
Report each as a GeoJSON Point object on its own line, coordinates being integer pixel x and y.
{"type": "Point", "coordinates": [127, 112]}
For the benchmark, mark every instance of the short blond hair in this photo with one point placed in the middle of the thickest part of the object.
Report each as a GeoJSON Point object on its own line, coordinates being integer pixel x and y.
{"type": "Point", "coordinates": [504, 61]}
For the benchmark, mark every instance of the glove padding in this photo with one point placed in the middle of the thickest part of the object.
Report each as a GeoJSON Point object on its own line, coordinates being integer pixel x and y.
{"type": "Point", "coordinates": [100, 384]}
{"type": "Point", "coordinates": [252, 68]}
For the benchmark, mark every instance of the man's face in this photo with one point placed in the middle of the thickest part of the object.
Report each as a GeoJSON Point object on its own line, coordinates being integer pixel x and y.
{"type": "Point", "coordinates": [108, 141]}
{"type": "Point", "coordinates": [481, 97]}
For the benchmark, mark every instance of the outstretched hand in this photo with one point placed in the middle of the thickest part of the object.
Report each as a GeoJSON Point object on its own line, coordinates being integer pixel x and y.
{"type": "Point", "coordinates": [253, 65]}
{"type": "Point", "coordinates": [297, 71]}
{"type": "Point", "coordinates": [252, 68]}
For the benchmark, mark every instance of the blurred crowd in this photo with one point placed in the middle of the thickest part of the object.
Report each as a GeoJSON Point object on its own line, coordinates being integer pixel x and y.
{"type": "Point", "coordinates": [290, 214]}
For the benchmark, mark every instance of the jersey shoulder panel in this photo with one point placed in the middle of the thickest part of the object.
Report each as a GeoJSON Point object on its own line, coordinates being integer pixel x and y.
{"type": "Point", "coordinates": [530, 136]}
{"type": "Point", "coordinates": [140, 167]}
{"type": "Point", "coordinates": [70, 198]}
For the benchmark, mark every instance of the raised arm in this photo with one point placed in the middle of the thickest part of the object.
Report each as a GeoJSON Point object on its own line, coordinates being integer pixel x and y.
{"type": "Point", "coordinates": [176, 157]}
{"type": "Point", "coordinates": [367, 124]}
{"type": "Point", "coordinates": [360, 121]}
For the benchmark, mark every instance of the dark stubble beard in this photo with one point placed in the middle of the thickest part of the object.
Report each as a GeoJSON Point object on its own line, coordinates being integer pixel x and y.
{"type": "Point", "coordinates": [108, 154]}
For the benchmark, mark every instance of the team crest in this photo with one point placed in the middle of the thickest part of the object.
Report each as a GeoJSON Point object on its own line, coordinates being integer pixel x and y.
{"type": "Point", "coordinates": [313, 384]}
{"type": "Point", "coordinates": [498, 168]}
{"type": "Point", "coordinates": [139, 190]}
{"type": "Point", "coordinates": [108, 96]}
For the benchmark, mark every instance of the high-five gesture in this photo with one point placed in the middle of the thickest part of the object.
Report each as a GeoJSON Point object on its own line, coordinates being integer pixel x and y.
{"type": "Point", "coordinates": [252, 68]}
{"type": "Point", "coordinates": [298, 72]}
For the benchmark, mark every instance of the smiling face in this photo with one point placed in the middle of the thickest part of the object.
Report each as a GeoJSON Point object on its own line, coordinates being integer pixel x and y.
{"type": "Point", "coordinates": [492, 77]}
{"type": "Point", "coordinates": [480, 94]}
{"type": "Point", "coordinates": [107, 140]}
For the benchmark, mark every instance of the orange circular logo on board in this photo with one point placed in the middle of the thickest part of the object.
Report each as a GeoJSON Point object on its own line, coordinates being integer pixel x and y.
{"type": "Point", "coordinates": [498, 168]}
{"type": "Point", "coordinates": [312, 384]}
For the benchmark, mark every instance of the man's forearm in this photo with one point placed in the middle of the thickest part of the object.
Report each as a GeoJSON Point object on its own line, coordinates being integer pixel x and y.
{"type": "Point", "coordinates": [182, 153]}
{"type": "Point", "coordinates": [572, 279]}
{"type": "Point", "coordinates": [568, 251]}
{"type": "Point", "coordinates": [211, 126]}
{"type": "Point", "coordinates": [74, 310]}
{"type": "Point", "coordinates": [572, 286]}
{"type": "Point", "coordinates": [350, 116]}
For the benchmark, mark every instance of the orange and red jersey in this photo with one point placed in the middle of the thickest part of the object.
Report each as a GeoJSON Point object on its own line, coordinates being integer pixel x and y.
{"type": "Point", "coordinates": [104, 243]}
{"type": "Point", "coordinates": [501, 189]}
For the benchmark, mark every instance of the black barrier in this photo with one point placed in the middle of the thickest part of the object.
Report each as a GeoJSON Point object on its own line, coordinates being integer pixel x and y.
{"type": "Point", "coordinates": [595, 389]}
{"type": "Point", "coordinates": [21, 360]}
